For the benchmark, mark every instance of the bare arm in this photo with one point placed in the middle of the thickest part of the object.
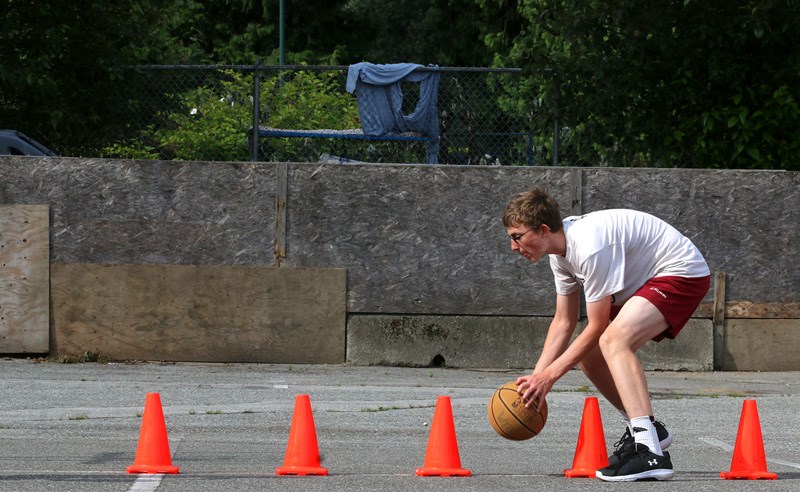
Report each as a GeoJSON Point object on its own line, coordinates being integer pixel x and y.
{"type": "Point", "coordinates": [560, 330]}
{"type": "Point", "coordinates": [550, 369]}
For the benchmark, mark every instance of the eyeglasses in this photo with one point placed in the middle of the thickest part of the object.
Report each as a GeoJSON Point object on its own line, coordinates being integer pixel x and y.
{"type": "Point", "coordinates": [517, 237]}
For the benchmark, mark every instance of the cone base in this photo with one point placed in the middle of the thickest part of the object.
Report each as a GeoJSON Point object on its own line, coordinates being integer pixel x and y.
{"type": "Point", "coordinates": [443, 472]}
{"type": "Point", "coordinates": [301, 470]}
{"type": "Point", "coordinates": [743, 475]}
{"type": "Point", "coordinates": [581, 473]}
{"type": "Point", "coordinates": [153, 469]}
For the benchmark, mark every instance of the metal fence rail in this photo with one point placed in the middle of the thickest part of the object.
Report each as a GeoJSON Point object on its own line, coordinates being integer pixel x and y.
{"type": "Point", "coordinates": [208, 113]}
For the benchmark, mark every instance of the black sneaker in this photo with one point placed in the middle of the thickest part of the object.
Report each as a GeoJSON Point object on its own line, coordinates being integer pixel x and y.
{"type": "Point", "coordinates": [640, 464]}
{"type": "Point", "coordinates": [625, 443]}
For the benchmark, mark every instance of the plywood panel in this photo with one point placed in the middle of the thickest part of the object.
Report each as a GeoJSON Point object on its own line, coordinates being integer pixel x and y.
{"type": "Point", "coordinates": [424, 240]}
{"type": "Point", "coordinates": [419, 239]}
{"type": "Point", "coordinates": [200, 313]}
{"type": "Point", "coordinates": [723, 212]}
{"type": "Point", "coordinates": [24, 282]}
{"type": "Point", "coordinates": [123, 211]}
{"type": "Point", "coordinates": [761, 345]}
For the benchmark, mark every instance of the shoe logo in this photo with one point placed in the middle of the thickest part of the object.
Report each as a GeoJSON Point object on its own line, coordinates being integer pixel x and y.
{"type": "Point", "coordinates": [652, 462]}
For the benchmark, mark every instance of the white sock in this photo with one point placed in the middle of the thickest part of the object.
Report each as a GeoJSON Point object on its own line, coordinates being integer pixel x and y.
{"type": "Point", "coordinates": [626, 420]}
{"type": "Point", "coordinates": [645, 433]}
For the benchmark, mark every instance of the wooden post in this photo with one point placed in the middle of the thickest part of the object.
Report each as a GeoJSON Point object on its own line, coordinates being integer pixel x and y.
{"type": "Point", "coordinates": [280, 213]}
{"type": "Point", "coordinates": [719, 320]}
{"type": "Point", "coordinates": [576, 192]}
{"type": "Point", "coordinates": [576, 208]}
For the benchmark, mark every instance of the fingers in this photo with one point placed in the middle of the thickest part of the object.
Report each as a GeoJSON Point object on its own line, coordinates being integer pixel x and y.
{"type": "Point", "coordinates": [535, 403]}
{"type": "Point", "coordinates": [523, 383]}
{"type": "Point", "coordinates": [530, 396]}
{"type": "Point", "coordinates": [526, 391]}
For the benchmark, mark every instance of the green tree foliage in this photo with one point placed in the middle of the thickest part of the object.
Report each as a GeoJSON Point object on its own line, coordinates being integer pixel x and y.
{"type": "Point", "coordinates": [441, 32]}
{"type": "Point", "coordinates": [243, 31]}
{"type": "Point", "coordinates": [62, 76]}
{"type": "Point", "coordinates": [213, 120]}
{"type": "Point", "coordinates": [62, 63]}
{"type": "Point", "coordinates": [673, 83]}
{"type": "Point", "coordinates": [57, 62]}
{"type": "Point", "coordinates": [709, 83]}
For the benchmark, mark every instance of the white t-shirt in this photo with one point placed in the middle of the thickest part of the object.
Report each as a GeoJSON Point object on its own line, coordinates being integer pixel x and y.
{"type": "Point", "coordinates": [614, 252]}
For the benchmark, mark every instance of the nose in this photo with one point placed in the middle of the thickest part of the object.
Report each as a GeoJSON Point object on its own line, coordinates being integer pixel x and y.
{"type": "Point", "coordinates": [514, 245]}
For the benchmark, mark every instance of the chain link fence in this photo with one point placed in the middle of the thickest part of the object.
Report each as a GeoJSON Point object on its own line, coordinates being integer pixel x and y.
{"type": "Point", "coordinates": [209, 113]}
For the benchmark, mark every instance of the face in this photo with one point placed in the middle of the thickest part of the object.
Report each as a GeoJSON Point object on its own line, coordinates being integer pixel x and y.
{"type": "Point", "coordinates": [529, 243]}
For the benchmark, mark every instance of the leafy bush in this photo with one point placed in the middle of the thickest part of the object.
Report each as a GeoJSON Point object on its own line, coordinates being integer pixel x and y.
{"type": "Point", "coordinates": [212, 121]}
{"type": "Point", "coordinates": [309, 101]}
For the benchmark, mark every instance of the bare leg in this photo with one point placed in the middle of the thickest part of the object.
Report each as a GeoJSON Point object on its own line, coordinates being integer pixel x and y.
{"type": "Point", "coordinates": [596, 369]}
{"type": "Point", "coordinates": [637, 322]}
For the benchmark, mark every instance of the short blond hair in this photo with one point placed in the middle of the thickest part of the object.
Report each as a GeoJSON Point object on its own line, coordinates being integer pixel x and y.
{"type": "Point", "coordinates": [532, 208]}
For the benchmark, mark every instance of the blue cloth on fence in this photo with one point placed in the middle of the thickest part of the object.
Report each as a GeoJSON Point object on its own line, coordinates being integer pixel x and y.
{"type": "Point", "coordinates": [380, 101]}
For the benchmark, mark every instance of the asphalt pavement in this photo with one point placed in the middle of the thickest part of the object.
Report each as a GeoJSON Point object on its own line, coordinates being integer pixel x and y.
{"type": "Point", "coordinates": [77, 427]}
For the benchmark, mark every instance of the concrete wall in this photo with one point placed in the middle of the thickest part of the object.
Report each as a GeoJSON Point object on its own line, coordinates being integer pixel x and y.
{"type": "Point", "coordinates": [426, 242]}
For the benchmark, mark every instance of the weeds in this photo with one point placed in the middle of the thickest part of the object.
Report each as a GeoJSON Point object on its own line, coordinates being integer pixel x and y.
{"type": "Point", "coordinates": [88, 356]}
{"type": "Point", "coordinates": [382, 408]}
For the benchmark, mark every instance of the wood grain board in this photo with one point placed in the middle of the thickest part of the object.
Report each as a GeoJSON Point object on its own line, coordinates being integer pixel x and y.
{"type": "Point", "coordinates": [209, 313]}
{"type": "Point", "coordinates": [24, 279]}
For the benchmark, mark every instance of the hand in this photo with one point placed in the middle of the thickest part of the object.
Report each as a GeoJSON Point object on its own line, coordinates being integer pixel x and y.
{"type": "Point", "coordinates": [533, 389]}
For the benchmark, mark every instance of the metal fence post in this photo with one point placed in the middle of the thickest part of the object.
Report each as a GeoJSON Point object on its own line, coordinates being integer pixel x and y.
{"type": "Point", "coordinates": [256, 115]}
{"type": "Point", "coordinates": [475, 126]}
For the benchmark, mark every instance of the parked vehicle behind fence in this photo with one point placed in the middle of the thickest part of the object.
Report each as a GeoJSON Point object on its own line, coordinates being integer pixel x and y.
{"type": "Point", "coordinates": [15, 143]}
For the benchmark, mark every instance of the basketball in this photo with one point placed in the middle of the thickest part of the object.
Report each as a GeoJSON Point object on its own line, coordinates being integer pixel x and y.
{"type": "Point", "coordinates": [509, 416]}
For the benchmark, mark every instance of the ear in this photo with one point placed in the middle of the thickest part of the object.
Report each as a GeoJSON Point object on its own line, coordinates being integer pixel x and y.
{"type": "Point", "coordinates": [544, 230]}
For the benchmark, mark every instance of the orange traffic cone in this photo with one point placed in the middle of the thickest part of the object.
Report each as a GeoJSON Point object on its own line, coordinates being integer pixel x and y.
{"type": "Point", "coordinates": [590, 452]}
{"type": "Point", "coordinates": [152, 455]}
{"type": "Point", "coordinates": [442, 458]}
{"type": "Point", "coordinates": [749, 460]}
{"type": "Point", "coordinates": [302, 452]}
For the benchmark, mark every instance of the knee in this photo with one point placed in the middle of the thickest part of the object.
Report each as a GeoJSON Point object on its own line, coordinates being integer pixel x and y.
{"type": "Point", "coordinates": [614, 341]}
{"type": "Point", "coordinates": [608, 343]}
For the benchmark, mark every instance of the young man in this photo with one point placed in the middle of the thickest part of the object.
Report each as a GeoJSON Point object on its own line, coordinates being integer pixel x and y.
{"type": "Point", "coordinates": [642, 280]}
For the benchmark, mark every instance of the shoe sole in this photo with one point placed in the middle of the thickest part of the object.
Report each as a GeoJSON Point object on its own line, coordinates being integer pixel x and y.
{"type": "Point", "coordinates": [648, 475]}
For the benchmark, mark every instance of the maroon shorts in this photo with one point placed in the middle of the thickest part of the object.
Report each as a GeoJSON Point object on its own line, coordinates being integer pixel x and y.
{"type": "Point", "coordinates": [676, 297]}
